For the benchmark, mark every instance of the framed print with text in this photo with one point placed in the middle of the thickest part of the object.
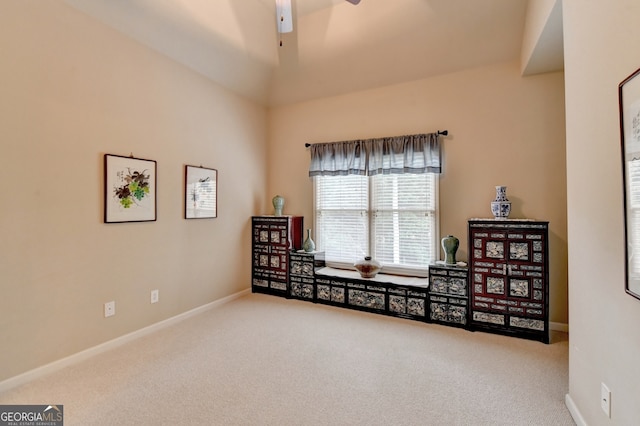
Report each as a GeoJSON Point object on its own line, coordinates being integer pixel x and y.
{"type": "Point", "coordinates": [201, 193]}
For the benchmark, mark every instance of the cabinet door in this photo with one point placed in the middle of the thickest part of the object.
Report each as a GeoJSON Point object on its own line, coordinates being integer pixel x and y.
{"type": "Point", "coordinates": [489, 269]}
{"type": "Point", "coordinates": [526, 287]}
{"type": "Point", "coordinates": [270, 252]}
{"type": "Point", "coordinates": [279, 244]}
{"type": "Point", "coordinates": [261, 251]}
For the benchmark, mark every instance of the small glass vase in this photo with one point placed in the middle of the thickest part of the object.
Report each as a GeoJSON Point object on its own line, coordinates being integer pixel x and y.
{"type": "Point", "coordinates": [308, 245]}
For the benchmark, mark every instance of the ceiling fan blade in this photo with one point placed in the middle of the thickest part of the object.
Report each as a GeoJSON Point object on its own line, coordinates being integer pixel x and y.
{"type": "Point", "coordinates": [354, 1]}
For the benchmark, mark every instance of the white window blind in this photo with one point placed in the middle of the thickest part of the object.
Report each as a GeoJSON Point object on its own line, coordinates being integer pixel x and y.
{"type": "Point", "coordinates": [403, 222]}
{"type": "Point", "coordinates": [341, 216]}
{"type": "Point", "coordinates": [392, 217]}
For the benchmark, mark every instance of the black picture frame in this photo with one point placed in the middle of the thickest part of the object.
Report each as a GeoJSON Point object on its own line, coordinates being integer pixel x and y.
{"type": "Point", "coordinates": [129, 189]}
{"type": "Point", "coordinates": [629, 106]}
{"type": "Point", "coordinates": [200, 193]}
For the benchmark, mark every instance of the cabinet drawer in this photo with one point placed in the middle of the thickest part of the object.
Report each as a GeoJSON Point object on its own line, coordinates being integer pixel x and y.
{"type": "Point", "coordinates": [277, 285]}
{"type": "Point", "coordinates": [448, 313]}
{"type": "Point", "coordinates": [330, 293]}
{"type": "Point", "coordinates": [260, 283]}
{"type": "Point", "coordinates": [302, 290]}
{"type": "Point", "coordinates": [366, 299]}
{"type": "Point", "coordinates": [407, 305]}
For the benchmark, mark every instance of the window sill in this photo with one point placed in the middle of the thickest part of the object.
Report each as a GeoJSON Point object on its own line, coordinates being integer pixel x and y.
{"type": "Point", "coordinates": [380, 278]}
{"type": "Point", "coordinates": [386, 270]}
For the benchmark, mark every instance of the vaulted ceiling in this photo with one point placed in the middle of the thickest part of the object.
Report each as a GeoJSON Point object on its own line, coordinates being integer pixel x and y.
{"type": "Point", "coordinates": [335, 47]}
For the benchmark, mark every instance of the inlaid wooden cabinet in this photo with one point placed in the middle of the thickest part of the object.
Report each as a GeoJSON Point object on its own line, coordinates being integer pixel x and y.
{"type": "Point", "coordinates": [448, 294]}
{"type": "Point", "coordinates": [509, 277]}
{"type": "Point", "coordinates": [273, 237]}
{"type": "Point", "coordinates": [406, 297]}
{"type": "Point", "coordinates": [302, 274]}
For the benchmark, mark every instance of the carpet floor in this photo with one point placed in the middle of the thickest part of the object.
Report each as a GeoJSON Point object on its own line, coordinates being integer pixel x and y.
{"type": "Point", "coordinates": [264, 360]}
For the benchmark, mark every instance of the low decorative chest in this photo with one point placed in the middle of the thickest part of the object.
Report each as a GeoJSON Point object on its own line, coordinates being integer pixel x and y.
{"type": "Point", "coordinates": [404, 297]}
{"type": "Point", "coordinates": [302, 274]}
{"type": "Point", "coordinates": [448, 294]}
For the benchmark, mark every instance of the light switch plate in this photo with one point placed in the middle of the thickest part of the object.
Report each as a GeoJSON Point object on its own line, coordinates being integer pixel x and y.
{"type": "Point", "coordinates": [605, 399]}
{"type": "Point", "coordinates": [109, 309]}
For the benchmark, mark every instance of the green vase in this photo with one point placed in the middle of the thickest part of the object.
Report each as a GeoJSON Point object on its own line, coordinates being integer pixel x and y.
{"type": "Point", "coordinates": [278, 204]}
{"type": "Point", "coordinates": [450, 246]}
{"type": "Point", "coordinates": [308, 245]}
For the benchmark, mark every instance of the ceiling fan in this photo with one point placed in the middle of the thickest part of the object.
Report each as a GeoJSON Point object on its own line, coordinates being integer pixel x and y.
{"type": "Point", "coordinates": [284, 16]}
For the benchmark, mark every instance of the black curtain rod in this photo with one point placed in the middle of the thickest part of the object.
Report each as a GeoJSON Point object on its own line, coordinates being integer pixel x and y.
{"type": "Point", "coordinates": [439, 132]}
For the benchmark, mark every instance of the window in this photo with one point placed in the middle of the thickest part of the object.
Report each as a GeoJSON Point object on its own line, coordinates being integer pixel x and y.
{"type": "Point", "coordinates": [378, 197]}
{"type": "Point", "coordinates": [392, 217]}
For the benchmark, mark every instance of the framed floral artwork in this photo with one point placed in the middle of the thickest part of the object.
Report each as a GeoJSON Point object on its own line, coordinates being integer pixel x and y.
{"type": "Point", "coordinates": [201, 193]}
{"type": "Point", "coordinates": [129, 189]}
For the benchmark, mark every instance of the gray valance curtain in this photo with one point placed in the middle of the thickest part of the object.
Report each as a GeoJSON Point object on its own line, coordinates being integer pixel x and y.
{"type": "Point", "coordinates": [399, 154]}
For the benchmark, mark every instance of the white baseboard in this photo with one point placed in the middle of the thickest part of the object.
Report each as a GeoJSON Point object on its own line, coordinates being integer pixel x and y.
{"type": "Point", "coordinates": [118, 341]}
{"type": "Point", "coordinates": [559, 326]}
{"type": "Point", "coordinates": [573, 410]}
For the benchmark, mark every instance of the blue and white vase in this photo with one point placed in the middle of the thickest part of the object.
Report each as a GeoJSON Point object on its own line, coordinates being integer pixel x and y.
{"type": "Point", "coordinates": [501, 207]}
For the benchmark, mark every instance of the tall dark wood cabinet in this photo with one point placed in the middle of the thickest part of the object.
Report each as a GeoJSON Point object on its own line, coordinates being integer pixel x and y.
{"type": "Point", "coordinates": [273, 237]}
{"type": "Point", "coordinates": [509, 277]}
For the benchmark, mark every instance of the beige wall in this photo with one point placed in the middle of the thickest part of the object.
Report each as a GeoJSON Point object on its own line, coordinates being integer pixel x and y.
{"type": "Point", "coordinates": [72, 90]}
{"type": "Point", "coordinates": [504, 130]}
{"type": "Point", "coordinates": [602, 39]}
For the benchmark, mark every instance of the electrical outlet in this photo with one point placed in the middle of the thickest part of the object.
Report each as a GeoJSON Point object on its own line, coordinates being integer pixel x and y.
{"type": "Point", "coordinates": [155, 296]}
{"type": "Point", "coordinates": [605, 399]}
{"type": "Point", "coordinates": [109, 309]}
